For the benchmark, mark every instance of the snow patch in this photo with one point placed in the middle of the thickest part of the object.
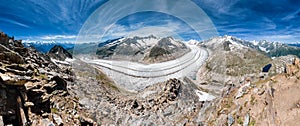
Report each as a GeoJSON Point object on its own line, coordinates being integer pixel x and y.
{"type": "Point", "coordinates": [69, 60]}
{"type": "Point", "coordinates": [60, 62]}
{"type": "Point", "coordinates": [263, 49]}
{"type": "Point", "coordinates": [203, 96]}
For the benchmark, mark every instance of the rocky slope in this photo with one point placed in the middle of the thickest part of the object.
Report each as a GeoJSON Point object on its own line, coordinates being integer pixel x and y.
{"type": "Point", "coordinates": [229, 60]}
{"type": "Point", "coordinates": [270, 101]}
{"type": "Point", "coordinates": [174, 102]}
{"type": "Point", "coordinates": [34, 90]}
{"type": "Point", "coordinates": [143, 49]}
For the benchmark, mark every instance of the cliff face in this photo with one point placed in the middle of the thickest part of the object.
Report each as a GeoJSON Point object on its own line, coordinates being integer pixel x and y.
{"type": "Point", "coordinates": [33, 90]}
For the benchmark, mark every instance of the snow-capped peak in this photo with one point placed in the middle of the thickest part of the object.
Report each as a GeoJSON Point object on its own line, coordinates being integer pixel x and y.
{"type": "Point", "coordinates": [193, 42]}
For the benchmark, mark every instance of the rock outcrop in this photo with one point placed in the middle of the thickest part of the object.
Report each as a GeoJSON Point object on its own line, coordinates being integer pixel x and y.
{"type": "Point", "coordinates": [33, 90]}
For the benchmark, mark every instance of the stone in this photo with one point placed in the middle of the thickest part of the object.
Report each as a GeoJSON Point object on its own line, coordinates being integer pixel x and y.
{"type": "Point", "coordinates": [57, 119]}
{"type": "Point", "coordinates": [46, 122]}
{"type": "Point", "coordinates": [42, 71]}
{"type": "Point", "coordinates": [246, 120]}
{"type": "Point", "coordinates": [2, 70]}
{"type": "Point", "coordinates": [16, 67]}
{"type": "Point", "coordinates": [28, 104]}
{"type": "Point", "coordinates": [242, 90]}
{"type": "Point", "coordinates": [29, 85]}
{"type": "Point", "coordinates": [10, 55]}
{"type": "Point", "coordinates": [1, 121]}
{"type": "Point", "coordinates": [5, 77]}
{"type": "Point", "coordinates": [61, 84]}
{"type": "Point", "coordinates": [86, 121]}
{"type": "Point", "coordinates": [230, 120]}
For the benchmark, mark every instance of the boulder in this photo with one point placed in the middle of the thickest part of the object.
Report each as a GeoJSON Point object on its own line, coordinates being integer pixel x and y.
{"type": "Point", "coordinates": [10, 55]}
{"type": "Point", "coordinates": [61, 84]}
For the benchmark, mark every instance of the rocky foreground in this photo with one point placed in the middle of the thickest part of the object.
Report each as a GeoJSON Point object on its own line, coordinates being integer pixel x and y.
{"type": "Point", "coordinates": [273, 101]}
{"type": "Point", "coordinates": [33, 89]}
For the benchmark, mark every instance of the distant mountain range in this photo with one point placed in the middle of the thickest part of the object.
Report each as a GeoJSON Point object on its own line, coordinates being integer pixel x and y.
{"type": "Point", "coordinates": [271, 49]}
{"type": "Point", "coordinates": [45, 47]}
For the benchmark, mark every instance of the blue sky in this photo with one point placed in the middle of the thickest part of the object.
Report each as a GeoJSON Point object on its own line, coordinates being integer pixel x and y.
{"type": "Point", "coordinates": [61, 20]}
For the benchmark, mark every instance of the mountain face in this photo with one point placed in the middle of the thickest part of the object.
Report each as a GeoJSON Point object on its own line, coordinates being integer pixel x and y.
{"type": "Point", "coordinates": [231, 58]}
{"type": "Point", "coordinates": [143, 49]}
{"type": "Point", "coordinates": [59, 53]}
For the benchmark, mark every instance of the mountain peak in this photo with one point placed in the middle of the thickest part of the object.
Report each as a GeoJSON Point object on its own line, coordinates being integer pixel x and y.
{"type": "Point", "coordinates": [59, 53]}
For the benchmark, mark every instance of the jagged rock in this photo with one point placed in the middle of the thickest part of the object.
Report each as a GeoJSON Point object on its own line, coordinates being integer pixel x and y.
{"type": "Point", "coordinates": [86, 121]}
{"type": "Point", "coordinates": [30, 87]}
{"type": "Point", "coordinates": [10, 55]}
{"type": "Point", "coordinates": [242, 90]}
{"type": "Point", "coordinates": [246, 120]}
{"type": "Point", "coordinates": [57, 119]}
{"type": "Point", "coordinates": [293, 69]}
{"type": "Point", "coordinates": [5, 77]}
{"type": "Point", "coordinates": [46, 122]}
{"type": "Point", "coordinates": [230, 120]}
{"type": "Point", "coordinates": [13, 79]}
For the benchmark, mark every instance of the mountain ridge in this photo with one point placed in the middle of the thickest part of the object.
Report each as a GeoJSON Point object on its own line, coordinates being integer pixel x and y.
{"type": "Point", "coordinates": [148, 49]}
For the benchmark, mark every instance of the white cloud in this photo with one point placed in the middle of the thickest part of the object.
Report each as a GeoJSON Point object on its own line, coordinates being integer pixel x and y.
{"type": "Point", "coordinates": [170, 28]}
{"type": "Point", "coordinates": [273, 38]}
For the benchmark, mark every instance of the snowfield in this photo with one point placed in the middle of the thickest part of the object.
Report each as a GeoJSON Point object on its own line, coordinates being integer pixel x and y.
{"type": "Point", "coordinates": [136, 76]}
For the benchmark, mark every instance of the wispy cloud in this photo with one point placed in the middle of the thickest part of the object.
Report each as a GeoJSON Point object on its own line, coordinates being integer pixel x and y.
{"type": "Point", "coordinates": [55, 37]}
{"type": "Point", "coordinates": [165, 28]}
{"type": "Point", "coordinates": [292, 15]}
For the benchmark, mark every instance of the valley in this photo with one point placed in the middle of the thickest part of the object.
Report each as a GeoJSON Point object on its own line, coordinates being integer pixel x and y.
{"type": "Point", "coordinates": [137, 76]}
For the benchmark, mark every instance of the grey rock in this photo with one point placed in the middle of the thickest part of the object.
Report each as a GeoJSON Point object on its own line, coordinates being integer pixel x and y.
{"type": "Point", "coordinates": [1, 121]}
{"type": "Point", "coordinates": [230, 120]}
{"type": "Point", "coordinates": [42, 71]}
{"type": "Point", "coordinates": [242, 90]}
{"type": "Point", "coordinates": [246, 120]}
{"type": "Point", "coordinates": [47, 122]}
{"type": "Point", "coordinates": [57, 119]}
